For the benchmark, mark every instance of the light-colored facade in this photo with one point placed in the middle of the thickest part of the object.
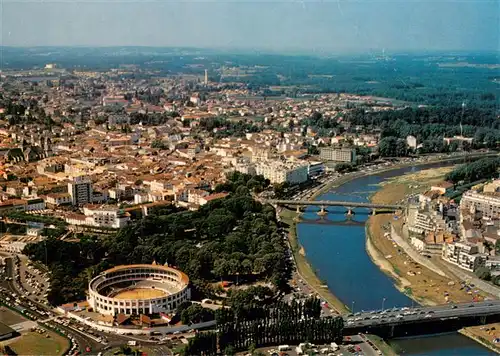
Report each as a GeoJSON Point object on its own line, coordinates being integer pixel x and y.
{"type": "Point", "coordinates": [278, 172]}
{"type": "Point", "coordinates": [173, 282]}
{"type": "Point", "coordinates": [107, 217]}
{"type": "Point", "coordinates": [411, 141]}
{"type": "Point", "coordinates": [425, 220]}
{"type": "Point", "coordinates": [338, 154]}
{"type": "Point", "coordinates": [463, 255]}
{"type": "Point", "coordinates": [58, 199]}
{"type": "Point", "coordinates": [35, 204]}
{"type": "Point", "coordinates": [80, 190]}
{"type": "Point", "coordinates": [487, 204]}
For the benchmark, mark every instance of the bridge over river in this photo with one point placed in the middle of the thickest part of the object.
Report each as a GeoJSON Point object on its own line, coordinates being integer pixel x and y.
{"type": "Point", "coordinates": [419, 320]}
{"type": "Point", "coordinates": [349, 205]}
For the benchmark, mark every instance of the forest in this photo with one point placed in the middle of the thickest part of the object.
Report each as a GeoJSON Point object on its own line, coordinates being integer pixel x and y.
{"type": "Point", "coordinates": [485, 168]}
{"type": "Point", "coordinates": [235, 239]}
{"type": "Point", "coordinates": [431, 79]}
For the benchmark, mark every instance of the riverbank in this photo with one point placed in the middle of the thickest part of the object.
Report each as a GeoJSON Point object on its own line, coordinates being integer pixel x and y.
{"type": "Point", "coordinates": [401, 283]}
{"type": "Point", "coordinates": [421, 283]}
{"type": "Point", "coordinates": [304, 269]}
{"type": "Point", "coordinates": [484, 335]}
{"type": "Point", "coordinates": [383, 346]}
{"type": "Point", "coordinates": [344, 179]}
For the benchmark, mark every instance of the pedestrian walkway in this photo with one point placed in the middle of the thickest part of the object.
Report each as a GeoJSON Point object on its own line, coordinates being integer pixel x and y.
{"type": "Point", "coordinates": [414, 255]}
{"type": "Point", "coordinates": [470, 278]}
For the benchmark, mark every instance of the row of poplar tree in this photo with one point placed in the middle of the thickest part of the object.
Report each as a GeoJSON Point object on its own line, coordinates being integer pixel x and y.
{"type": "Point", "coordinates": [281, 323]}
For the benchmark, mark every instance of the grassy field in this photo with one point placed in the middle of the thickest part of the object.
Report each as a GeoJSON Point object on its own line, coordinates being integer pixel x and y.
{"type": "Point", "coordinates": [303, 266]}
{"type": "Point", "coordinates": [9, 317]}
{"type": "Point", "coordinates": [397, 188]}
{"type": "Point", "coordinates": [32, 343]}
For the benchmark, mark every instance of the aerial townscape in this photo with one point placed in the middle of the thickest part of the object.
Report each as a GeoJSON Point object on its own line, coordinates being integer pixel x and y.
{"type": "Point", "coordinates": [167, 200]}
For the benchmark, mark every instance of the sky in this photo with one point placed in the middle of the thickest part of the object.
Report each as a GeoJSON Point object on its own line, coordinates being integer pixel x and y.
{"type": "Point", "coordinates": [304, 25]}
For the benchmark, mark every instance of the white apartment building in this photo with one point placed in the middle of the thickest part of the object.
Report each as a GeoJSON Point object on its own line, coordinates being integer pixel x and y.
{"type": "Point", "coordinates": [278, 172]}
{"type": "Point", "coordinates": [58, 199]}
{"type": "Point", "coordinates": [245, 168]}
{"type": "Point", "coordinates": [425, 220]}
{"type": "Point", "coordinates": [487, 204]}
{"type": "Point", "coordinates": [35, 204]}
{"type": "Point", "coordinates": [80, 190]}
{"type": "Point", "coordinates": [122, 192]}
{"type": "Point", "coordinates": [338, 154]}
{"type": "Point", "coordinates": [196, 195]}
{"type": "Point", "coordinates": [100, 216]}
{"type": "Point", "coordinates": [463, 255]}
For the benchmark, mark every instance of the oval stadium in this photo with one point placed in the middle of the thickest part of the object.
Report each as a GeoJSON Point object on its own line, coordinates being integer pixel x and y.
{"type": "Point", "coordinates": [138, 289]}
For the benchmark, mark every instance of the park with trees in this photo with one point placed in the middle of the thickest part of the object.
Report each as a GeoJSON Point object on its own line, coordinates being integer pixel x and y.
{"type": "Point", "coordinates": [233, 239]}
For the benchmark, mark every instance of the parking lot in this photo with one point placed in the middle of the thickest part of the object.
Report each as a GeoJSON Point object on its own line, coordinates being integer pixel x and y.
{"type": "Point", "coordinates": [33, 282]}
{"type": "Point", "coordinates": [357, 345]}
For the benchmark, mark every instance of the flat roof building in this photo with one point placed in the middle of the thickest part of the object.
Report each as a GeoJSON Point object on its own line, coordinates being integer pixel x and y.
{"type": "Point", "coordinates": [337, 154]}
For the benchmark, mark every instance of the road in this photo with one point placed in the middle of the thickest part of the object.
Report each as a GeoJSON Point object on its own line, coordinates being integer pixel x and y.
{"type": "Point", "coordinates": [81, 338]}
{"type": "Point", "coordinates": [10, 286]}
{"type": "Point", "coordinates": [325, 203]}
{"type": "Point", "coordinates": [397, 316]}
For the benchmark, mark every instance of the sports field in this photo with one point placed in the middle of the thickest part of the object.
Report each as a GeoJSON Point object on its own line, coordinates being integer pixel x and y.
{"type": "Point", "coordinates": [32, 343]}
{"type": "Point", "coordinates": [140, 293]}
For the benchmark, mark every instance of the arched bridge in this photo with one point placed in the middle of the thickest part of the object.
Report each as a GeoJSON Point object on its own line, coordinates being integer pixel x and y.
{"type": "Point", "coordinates": [325, 203]}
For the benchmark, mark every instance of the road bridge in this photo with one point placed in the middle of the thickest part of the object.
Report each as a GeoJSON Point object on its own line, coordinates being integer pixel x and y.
{"type": "Point", "coordinates": [400, 322]}
{"type": "Point", "coordinates": [349, 205]}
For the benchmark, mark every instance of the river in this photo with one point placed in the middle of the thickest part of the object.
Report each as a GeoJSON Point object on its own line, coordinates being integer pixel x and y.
{"type": "Point", "coordinates": [336, 250]}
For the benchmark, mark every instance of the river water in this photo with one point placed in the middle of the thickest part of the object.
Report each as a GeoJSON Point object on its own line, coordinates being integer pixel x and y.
{"type": "Point", "coordinates": [336, 250]}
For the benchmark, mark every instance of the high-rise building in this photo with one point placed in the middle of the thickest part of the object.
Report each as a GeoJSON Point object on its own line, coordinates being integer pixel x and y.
{"type": "Point", "coordinates": [338, 154]}
{"type": "Point", "coordinates": [80, 189]}
{"type": "Point", "coordinates": [206, 77]}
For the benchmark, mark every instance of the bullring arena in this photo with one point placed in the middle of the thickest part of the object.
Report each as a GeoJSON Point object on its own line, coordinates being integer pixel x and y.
{"type": "Point", "coordinates": [138, 289]}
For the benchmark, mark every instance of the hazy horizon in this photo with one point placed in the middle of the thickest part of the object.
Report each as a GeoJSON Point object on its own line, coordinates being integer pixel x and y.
{"type": "Point", "coordinates": [283, 26]}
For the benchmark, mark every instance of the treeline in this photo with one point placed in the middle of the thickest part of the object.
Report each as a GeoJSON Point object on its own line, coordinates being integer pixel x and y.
{"type": "Point", "coordinates": [432, 124]}
{"type": "Point", "coordinates": [192, 313]}
{"type": "Point", "coordinates": [220, 127]}
{"type": "Point", "coordinates": [72, 265]}
{"type": "Point", "coordinates": [417, 118]}
{"type": "Point", "coordinates": [235, 238]}
{"type": "Point", "coordinates": [242, 183]}
{"type": "Point", "coordinates": [22, 216]}
{"type": "Point", "coordinates": [280, 323]}
{"type": "Point", "coordinates": [485, 168]}
{"type": "Point", "coordinates": [27, 111]}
